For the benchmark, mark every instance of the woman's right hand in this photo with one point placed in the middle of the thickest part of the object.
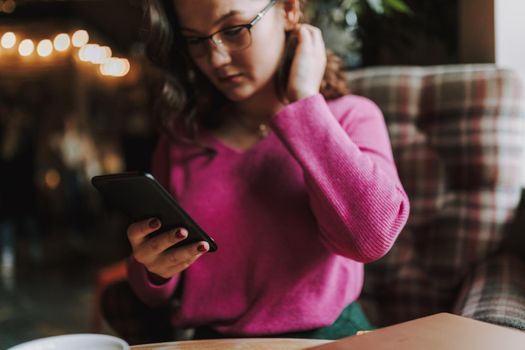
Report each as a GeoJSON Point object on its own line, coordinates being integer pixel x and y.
{"type": "Point", "coordinates": [155, 253]}
{"type": "Point", "coordinates": [308, 65]}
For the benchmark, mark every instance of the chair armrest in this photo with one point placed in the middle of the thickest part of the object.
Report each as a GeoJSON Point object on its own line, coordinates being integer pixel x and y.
{"type": "Point", "coordinates": [495, 292]}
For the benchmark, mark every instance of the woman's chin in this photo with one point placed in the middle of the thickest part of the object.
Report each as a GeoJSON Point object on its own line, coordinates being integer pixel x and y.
{"type": "Point", "coordinates": [236, 95]}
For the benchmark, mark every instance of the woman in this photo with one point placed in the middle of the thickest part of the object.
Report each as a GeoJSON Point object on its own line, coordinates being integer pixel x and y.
{"type": "Point", "coordinates": [263, 147]}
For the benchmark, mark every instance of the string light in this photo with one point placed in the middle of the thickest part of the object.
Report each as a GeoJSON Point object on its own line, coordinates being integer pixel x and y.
{"type": "Point", "coordinates": [26, 47]}
{"type": "Point", "coordinates": [44, 48]}
{"type": "Point", "coordinates": [80, 38]}
{"type": "Point", "coordinates": [93, 53]}
{"type": "Point", "coordinates": [115, 67]}
{"type": "Point", "coordinates": [104, 52]}
{"type": "Point", "coordinates": [61, 42]}
{"type": "Point", "coordinates": [8, 40]}
{"type": "Point", "coordinates": [88, 52]}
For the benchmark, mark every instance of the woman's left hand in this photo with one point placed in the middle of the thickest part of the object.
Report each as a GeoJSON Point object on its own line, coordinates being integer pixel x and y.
{"type": "Point", "coordinates": [308, 65]}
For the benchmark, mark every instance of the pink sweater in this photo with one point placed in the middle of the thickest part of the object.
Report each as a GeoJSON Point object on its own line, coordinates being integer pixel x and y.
{"type": "Point", "coordinates": [295, 217]}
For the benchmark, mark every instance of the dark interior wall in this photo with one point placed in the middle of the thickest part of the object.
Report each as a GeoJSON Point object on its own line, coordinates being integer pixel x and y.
{"type": "Point", "coordinates": [428, 36]}
{"type": "Point", "coordinates": [119, 21]}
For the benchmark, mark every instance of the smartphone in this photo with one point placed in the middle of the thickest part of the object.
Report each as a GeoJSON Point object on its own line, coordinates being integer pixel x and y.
{"type": "Point", "coordinates": [138, 196]}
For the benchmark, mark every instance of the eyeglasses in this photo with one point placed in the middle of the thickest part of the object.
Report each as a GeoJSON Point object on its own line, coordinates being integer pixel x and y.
{"type": "Point", "coordinates": [231, 39]}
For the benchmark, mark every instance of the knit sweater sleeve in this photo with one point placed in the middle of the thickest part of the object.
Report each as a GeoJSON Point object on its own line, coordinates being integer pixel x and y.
{"type": "Point", "coordinates": [349, 172]}
{"type": "Point", "coordinates": [150, 293]}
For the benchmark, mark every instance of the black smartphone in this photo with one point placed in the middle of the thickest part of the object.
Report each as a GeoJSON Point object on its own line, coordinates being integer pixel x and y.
{"type": "Point", "coordinates": [138, 196]}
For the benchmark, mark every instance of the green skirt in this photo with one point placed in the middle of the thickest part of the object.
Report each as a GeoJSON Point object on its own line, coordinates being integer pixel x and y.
{"type": "Point", "coordinates": [349, 322]}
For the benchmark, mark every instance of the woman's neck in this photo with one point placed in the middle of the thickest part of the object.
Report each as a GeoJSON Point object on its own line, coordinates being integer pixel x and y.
{"type": "Point", "coordinates": [259, 109]}
{"type": "Point", "coordinates": [246, 122]}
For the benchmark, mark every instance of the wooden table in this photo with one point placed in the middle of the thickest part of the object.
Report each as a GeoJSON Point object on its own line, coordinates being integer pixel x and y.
{"type": "Point", "coordinates": [235, 344]}
{"type": "Point", "coordinates": [436, 332]}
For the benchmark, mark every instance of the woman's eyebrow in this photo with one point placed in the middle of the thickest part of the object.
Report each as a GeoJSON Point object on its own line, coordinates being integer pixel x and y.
{"type": "Point", "coordinates": [221, 19]}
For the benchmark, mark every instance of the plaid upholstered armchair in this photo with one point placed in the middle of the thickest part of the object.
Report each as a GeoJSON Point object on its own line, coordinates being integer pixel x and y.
{"type": "Point", "coordinates": [457, 137]}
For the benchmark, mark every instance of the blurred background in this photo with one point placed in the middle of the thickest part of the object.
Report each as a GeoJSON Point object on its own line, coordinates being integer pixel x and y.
{"type": "Point", "coordinates": [75, 101]}
{"type": "Point", "coordinates": [64, 117]}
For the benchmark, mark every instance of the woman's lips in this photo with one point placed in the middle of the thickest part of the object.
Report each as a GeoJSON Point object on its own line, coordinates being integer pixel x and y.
{"type": "Point", "coordinates": [232, 78]}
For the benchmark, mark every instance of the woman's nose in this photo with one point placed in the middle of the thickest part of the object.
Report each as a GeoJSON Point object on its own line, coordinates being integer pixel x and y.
{"type": "Point", "coordinates": [218, 55]}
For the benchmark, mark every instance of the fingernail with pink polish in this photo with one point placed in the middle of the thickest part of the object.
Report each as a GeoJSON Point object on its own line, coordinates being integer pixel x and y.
{"type": "Point", "coordinates": [180, 233]}
{"type": "Point", "coordinates": [202, 248]}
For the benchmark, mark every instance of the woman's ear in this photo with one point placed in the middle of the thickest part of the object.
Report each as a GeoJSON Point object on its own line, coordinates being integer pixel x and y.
{"type": "Point", "coordinates": [292, 13]}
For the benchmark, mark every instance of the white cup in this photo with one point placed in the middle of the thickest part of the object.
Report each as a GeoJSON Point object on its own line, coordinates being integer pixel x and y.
{"type": "Point", "coordinates": [75, 342]}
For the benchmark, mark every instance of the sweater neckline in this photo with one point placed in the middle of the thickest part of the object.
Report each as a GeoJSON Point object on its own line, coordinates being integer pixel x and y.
{"type": "Point", "coordinates": [215, 141]}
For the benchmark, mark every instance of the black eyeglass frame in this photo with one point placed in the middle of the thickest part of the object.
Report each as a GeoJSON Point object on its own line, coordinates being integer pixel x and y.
{"type": "Point", "coordinates": [201, 40]}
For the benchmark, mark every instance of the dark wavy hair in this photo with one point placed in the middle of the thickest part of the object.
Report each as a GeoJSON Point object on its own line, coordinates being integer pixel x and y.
{"type": "Point", "coordinates": [186, 98]}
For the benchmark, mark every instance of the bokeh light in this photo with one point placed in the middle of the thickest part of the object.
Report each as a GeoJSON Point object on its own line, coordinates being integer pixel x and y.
{"type": "Point", "coordinates": [9, 6]}
{"type": "Point", "coordinates": [115, 67]}
{"type": "Point", "coordinates": [44, 48]}
{"type": "Point", "coordinates": [26, 47]}
{"type": "Point", "coordinates": [104, 53]}
{"type": "Point", "coordinates": [52, 179]}
{"type": "Point", "coordinates": [61, 42]}
{"type": "Point", "coordinates": [80, 38]}
{"type": "Point", "coordinates": [89, 52]}
{"type": "Point", "coordinates": [8, 40]}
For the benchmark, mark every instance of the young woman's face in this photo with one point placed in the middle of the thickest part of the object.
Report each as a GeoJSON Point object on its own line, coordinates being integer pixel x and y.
{"type": "Point", "coordinates": [239, 74]}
